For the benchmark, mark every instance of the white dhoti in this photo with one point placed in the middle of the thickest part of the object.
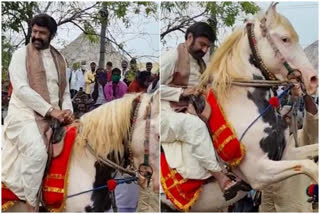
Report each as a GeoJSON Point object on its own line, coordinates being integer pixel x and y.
{"type": "Point", "coordinates": [187, 145]}
{"type": "Point", "coordinates": [25, 157]}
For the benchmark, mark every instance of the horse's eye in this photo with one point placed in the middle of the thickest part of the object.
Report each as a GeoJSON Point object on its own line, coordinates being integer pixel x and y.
{"type": "Point", "coordinates": [285, 40]}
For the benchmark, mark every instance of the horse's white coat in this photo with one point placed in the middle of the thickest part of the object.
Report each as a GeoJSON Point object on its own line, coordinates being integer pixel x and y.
{"type": "Point", "coordinates": [256, 169]}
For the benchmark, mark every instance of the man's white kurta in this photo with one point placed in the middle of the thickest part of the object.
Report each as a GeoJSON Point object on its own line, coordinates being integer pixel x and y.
{"type": "Point", "coordinates": [184, 137]}
{"type": "Point", "coordinates": [24, 154]}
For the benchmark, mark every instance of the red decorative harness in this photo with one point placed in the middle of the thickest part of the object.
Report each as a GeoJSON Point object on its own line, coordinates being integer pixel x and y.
{"type": "Point", "coordinates": [183, 193]}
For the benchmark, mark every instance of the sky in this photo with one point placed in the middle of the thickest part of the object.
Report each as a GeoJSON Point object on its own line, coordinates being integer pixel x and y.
{"type": "Point", "coordinates": [302, 15]}
{"type": "Point", "coordinates": [140, 39]}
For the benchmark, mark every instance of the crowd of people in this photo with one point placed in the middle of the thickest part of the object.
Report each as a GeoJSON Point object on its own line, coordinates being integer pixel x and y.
{"type": "Point", "coordinates": [102, 85]}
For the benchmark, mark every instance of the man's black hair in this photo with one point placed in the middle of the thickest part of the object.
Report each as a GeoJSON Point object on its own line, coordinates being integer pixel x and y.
{"type": "Point", "coordinates": [116, 70]}
{"type": "Point", "coordinates": [44, 20]}
{"type": "Point", "coordinates": [143, 75]}
{"type": "Point", "coordinates": [133, 61]}
{"type": "Point", "coordinates": [109, 63]}
{"type": "Point", "coordinates": [199, 29]}
{"type": "Point", "coordinates": [92, 63]}
{"type": "Point", "coordinates": [149, 63]}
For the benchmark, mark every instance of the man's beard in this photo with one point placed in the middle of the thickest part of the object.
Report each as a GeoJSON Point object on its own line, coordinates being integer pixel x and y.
{"type": "Point", "coordinates": [43, 45]}
{"type": "Point", "coordinates": [197, 54]}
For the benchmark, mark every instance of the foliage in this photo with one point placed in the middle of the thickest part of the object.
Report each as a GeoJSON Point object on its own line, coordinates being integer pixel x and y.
{"type": "Point", "coordinates": [6, 53]}
{"type": "Point", "coordinates": [177, 16]}
{"type": "Point", "coordinates": [16, 16]}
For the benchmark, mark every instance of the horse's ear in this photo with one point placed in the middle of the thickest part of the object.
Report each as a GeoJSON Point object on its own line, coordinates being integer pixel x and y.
{"type": "Point", "coordinates": [271, 13]}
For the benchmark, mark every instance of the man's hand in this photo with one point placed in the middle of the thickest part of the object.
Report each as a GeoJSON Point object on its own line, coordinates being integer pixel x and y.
{"type": "Point", "coordinates": [293, 78]}
{"type": "Point", "coordinates": [191, 91]}
{"type": "Point", "coordinates": [68, 116]}
{"type": "Point", "coordinates": [58, 114]}
{"type": "Point", "coordinates": [64, 116]}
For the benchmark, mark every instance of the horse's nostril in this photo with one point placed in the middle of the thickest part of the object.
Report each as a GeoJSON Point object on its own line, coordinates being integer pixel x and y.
{"type": "Point", "coordinates": [314, 79]}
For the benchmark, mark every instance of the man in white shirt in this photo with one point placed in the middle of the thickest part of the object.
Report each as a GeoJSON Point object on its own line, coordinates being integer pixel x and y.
{"type": "Point", "coordinates": [40, 93]}
{"type": "Point", "coordinates": [185, 138]}
{"type": "Point", "coordinates": [81, 80]}
{"type": "Point", "coordinates": [74, 78]}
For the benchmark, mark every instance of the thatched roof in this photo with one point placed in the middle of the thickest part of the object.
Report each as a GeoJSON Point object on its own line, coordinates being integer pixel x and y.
{"type": "Point", "coordinates": [313, 54]}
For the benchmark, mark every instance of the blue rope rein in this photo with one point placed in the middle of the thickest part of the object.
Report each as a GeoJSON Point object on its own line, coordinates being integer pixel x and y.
{"type": "Point", "coordinates": [119, 181]}
{"type": "Point", "coordinates": [286, 91]}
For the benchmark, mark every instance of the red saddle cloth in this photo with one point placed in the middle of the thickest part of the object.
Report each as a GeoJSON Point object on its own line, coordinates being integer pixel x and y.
{"type": "Point", "coordinates": [183, 193]}
{"type": "Point", "coordinates": [225, 140]}
{"type": "Point", "coordinates": [54, 188]}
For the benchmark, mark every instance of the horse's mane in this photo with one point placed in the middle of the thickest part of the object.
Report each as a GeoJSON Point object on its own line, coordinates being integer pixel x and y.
{"type": "Point", "coordinates": [106, 127]}
{"type": "Point", "coordinates": [226, 63]}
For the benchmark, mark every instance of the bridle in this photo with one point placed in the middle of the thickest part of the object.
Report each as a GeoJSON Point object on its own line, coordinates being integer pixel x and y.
{"type": "Point", "coordinates": [271, 80]}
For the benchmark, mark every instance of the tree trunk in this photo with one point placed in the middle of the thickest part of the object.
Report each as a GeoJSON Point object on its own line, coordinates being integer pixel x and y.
{"type": "Point", "coordinates": [214, 24]}
{"type": "Point", "coordinates": [29, 13]}
{"type": "Point", "coordinates": [28, 37]}
{"type": "Point", "coordinates": [102, 44]}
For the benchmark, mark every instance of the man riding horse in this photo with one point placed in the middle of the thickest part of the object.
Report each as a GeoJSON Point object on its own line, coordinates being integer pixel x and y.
{"type": "Point", "coordinates": [186, 141]}
{"type": "Point", "coordinates": [40, 93]}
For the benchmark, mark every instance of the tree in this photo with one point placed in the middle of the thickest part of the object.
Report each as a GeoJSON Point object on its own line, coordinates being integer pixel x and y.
{"type": "Point", "coordinates": [178, 16]}
{"type": "Point", "coordinates": [104, 23]}
{"type": "Point", "coordinates": [17, 16]}
{"type": "Point", "coordinates": [118, 11]}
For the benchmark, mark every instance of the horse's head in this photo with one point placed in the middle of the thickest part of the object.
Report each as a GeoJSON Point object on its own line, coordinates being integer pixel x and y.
{"type": "Point", "coordinates": [141, 134]}
{"type": "Point", "coordinates": [277, 42]}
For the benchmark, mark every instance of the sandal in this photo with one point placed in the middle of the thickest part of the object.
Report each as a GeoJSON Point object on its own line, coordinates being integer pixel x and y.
{"type": "Point", "coordinates": [232, 191]}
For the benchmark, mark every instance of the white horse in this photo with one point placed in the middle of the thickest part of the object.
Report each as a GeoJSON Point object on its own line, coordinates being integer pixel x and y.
{"type": "Point", "coordinates": [290, 194]}
{"type": "Point", "coordinates": [104, 129]}
{"type": "Point", "coordinates": [265, 141]}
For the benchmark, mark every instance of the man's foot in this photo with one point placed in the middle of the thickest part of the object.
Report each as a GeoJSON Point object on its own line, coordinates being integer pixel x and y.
{"type": "Point", "coordinates": [231, 189]}
{"type": "Point", "coordinates": [230, 184]}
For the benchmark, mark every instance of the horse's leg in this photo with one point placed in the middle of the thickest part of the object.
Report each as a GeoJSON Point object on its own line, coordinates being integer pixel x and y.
{"type": "Point", "coordinates": [268, 171]}
{"type": "Point", "coordinates": [300, 153]}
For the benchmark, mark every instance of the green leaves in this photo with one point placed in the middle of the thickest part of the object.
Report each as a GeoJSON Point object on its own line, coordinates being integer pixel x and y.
{"type": "Point", "coordinates": [249, 8]}
{"type": "Point", "coordinates": [91, 34]}
{"type": "Point", "coordinates": [178, 16]}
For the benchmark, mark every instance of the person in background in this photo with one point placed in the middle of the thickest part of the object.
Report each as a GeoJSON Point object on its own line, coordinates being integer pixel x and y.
{"type": "Point", "coordinates": [116, 88]}
{"type": "Point", "coordinates": [89, 78]}
{"type": "Point", "coordinates": [127, 195]}
{"type": "Point", "coordinates": [141, 83]}
{"type": "Point", "coordinates": [73, 82]}
{"type": "Point", "coordinates": [98, 91]}
{"type": "Point", "coordinates": [149, 66]}
{"type": "Point", "coordinates": [124, 66]}
{"type": "Point", "coordinates": [131, 74]}
{"type": "Point", "coordinates": [81, 81]}
{"type": "Point", "coordinates": [155, 84]}
{"type": "Point", "coordinates": [68, 72]}
{"type": "Point", "coordinates": [109, 71]}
